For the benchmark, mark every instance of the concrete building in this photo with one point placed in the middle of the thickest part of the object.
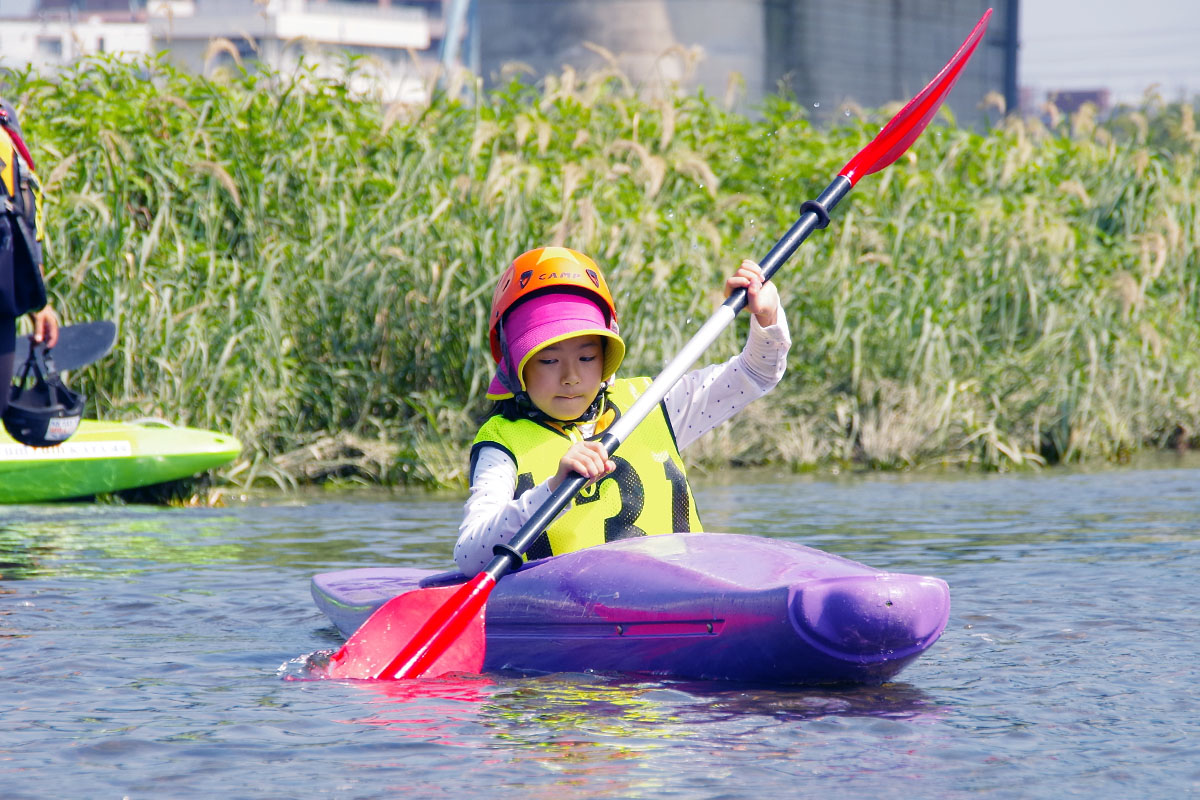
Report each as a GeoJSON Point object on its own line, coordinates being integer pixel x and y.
{"type": "Point", "coordinates": [47, 38]}
{"type": "Point", "coordinates": [394, 40]}
{"type": "Point", "coordinates": [868, 52]}
{"type": "Point", "coordinates": [398, 42]}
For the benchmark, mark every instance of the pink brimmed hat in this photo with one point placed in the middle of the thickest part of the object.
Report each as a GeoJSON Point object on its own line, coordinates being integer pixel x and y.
{"type": "Point", "coordinates": [544, 320]}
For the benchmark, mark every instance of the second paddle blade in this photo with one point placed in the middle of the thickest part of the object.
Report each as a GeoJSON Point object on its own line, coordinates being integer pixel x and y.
{"type": "Point", "coordinates": [78, 345]}
{"type": "Point", "coordinates": [405, 621]}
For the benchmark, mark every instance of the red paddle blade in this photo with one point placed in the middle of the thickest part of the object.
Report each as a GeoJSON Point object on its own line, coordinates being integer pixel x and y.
{"type": "Point", "coordinates": [906, 126]}
{"type": "Point", "coordinates": [423, 632]}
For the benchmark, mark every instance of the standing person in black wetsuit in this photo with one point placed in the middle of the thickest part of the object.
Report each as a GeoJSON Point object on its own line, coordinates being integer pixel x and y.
{"type": "Point", "coordinates": [20, 244]}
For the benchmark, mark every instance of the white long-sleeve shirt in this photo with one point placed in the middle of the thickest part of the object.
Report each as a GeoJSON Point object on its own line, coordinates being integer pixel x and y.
{"type": "Point", "coordinates": [699, 402]}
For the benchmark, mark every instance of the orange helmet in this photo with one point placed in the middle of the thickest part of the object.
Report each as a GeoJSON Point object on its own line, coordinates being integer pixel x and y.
{"type": "Point", "coordinates": [542, 294]}
{"type": "Point", "coordinates": [558, 268]}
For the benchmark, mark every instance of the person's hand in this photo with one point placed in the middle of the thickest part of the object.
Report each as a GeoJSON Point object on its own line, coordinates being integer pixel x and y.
{"type": "Point", "coordinates": [45, 326]}
{"type": "Point", "coordinates": [589, 459]}
{"type": "Point", "coordinates": [762, 298]}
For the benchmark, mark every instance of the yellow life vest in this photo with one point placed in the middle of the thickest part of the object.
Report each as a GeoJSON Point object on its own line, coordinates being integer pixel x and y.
{"type": "Point", "coordinates": [8, 165]}
{"type": "Point", "coordinates": [647, 494]}
{"type": "Point", "coordinates": [22, 193]}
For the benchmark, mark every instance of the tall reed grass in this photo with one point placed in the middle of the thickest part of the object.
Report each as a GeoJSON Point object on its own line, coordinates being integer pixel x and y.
{"type": "Point", "coordinates": [310, 268]}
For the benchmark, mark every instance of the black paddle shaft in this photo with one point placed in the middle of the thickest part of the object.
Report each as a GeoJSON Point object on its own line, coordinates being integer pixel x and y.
{"type": "Point", "coordinates": [814, 214]}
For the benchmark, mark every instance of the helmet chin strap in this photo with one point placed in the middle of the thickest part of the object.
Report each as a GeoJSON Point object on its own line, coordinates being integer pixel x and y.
{"type": "Point", "coordinates": [508, 371]}
{"type": "Point", "coordinates": [531, 411]}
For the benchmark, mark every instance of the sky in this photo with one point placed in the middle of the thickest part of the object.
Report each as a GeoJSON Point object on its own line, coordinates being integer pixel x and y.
{"type": "Point", "coordinates": [1122, 45]}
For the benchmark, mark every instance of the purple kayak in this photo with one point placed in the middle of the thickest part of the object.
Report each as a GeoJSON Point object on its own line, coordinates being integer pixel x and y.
{"type": "Point", "coordinates": [703, 605]}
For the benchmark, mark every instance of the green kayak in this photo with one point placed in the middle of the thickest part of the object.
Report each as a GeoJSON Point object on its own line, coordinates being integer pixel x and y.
{"type": "Point", "coordinates": [108, 457]}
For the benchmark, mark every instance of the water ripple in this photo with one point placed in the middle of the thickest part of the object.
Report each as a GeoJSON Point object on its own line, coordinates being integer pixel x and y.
{"type": "Point", "coordinates": [142, 650]}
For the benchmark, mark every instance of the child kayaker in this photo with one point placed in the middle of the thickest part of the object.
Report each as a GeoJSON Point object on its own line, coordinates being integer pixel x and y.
{"type": "Point", "coordinates": [554, 337]}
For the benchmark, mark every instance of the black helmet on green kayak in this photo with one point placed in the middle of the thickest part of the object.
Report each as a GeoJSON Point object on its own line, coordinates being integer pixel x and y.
{"type": "Point", "coordinates": [42, 411]}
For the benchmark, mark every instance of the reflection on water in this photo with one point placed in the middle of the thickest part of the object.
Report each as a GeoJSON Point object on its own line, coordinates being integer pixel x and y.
{"type": "Point", "coordinates": [898, 701]}
{"type": "Point", "coordinates": [915, 523]}
{"type": "Point", "coordinates": [598, 733]}
{"type": "Point", "coordinates": [526, 709]}
{"type": "Point", "coordinates": [68, 540]}
{"type": "Point", "coordinates": [429, 710]}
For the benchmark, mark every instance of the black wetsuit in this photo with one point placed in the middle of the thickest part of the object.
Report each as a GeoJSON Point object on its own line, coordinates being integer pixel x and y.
{"type": "Point", "coordinates": [8, 325]}
{"type": "Point", "coordinates": [8, 339]}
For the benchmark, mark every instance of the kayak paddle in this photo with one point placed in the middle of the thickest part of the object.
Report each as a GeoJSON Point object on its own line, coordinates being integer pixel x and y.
{"type": "Point", "coordinates": [77, 346]}
{"type": "Point", "coordinates": [437, 630]}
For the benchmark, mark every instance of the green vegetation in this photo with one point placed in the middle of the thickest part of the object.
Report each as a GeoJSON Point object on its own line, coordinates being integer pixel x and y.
{"type": "Point", "coordinates": [310, 269]}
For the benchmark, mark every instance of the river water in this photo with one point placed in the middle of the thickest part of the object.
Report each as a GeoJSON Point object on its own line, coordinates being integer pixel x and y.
{"type": "Point", "coordinates": [142, 651]}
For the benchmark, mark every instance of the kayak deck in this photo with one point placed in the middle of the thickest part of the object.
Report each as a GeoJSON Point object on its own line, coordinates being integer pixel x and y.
{"type": "Point", "coordinates": [707, 606]}
{"type": "Point", "coordinates": [109, 457]}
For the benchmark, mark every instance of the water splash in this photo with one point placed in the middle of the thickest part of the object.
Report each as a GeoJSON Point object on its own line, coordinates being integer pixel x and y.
{"type": "Point", "coordinates": [310, 667]}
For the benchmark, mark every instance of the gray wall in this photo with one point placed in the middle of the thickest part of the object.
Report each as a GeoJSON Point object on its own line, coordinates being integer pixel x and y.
{"type": "Point", "coordinates": [872, 52]}
{"type": "Point", "coordinates": [548, 34]}
{"type": "Point", "coordinates": [824, 51]}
